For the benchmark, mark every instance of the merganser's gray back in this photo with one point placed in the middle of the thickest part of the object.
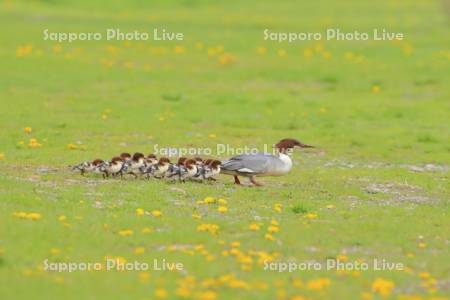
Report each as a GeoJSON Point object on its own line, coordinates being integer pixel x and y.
{"type": "Point", "coordinates": [252, 164]}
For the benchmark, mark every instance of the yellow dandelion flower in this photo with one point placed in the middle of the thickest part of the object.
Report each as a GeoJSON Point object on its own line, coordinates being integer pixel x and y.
{"type": "Point", "coordinates": [226, 59]}
{"type": "Point", "coordinates": [34, 216]}
{"type": "Point", "coordinates": [125, 232]}
{"type": "Point", "coordinates": [146, 230]}
{"type": "Point", "coordinates": [277, 207]}
{"type": "Point", "coordinates": [183, 292]}
{"type": "Point", "coordinates": [273, 229]}
{"type": "Point", "coordinates": [55, 251]}
{"type": "Point", "coordinates": [209, 200]}
{"type": "Point", "coordinates": [27, 129]}
{"type": "Point", "coordinates": [322, 110]}
{"type": "Point", "coordinates": [254, 227]}
{"type": "Point", "coordinates": [235, 244]}
{"type": "Point", "coordinates": [33, 143]}
{"type": "Point", "coordinates": [297, 298]}
{"type": "Point", "coordinates": [376, 89]}
{"type": "Point", "coordinates": [161, 293]}
{"type": "Point", "coordinates": [72, 146]}
{"type": "Point", "coordinates": [139, 250]}
{"type": "Point", "coordinates": [269, 237]}
{"type": "Point", "coordinates": [422, 245]}
{"type": "Point", "coordinates": [211, 228]}
{"type": "Point", "coordinates": [140, 212]}
{"type": "Point", "coordinates": [222, 201]}
{"type": "Point", "coordinates": [281, 53]}
{"type": "Point", "coordinates": [261, 50]}
{"type": "Point", "coordinates": [196, 216]}
{"type": "Point", "coordinates": [318, 284]}
{"type": "Point", "coordinates": [2, 156]}
{"type": "Point", "coordinates": [207, 295]}
{"type": "Point", "coordinates": [179, 49]}
{"type": "Point", "coordinates": [382, 286]}
{"type": "Point", "coordinates": [330, 206]}
{"type": "Point", "coordinates": [222, 209]}
{"type": "Point", "coordinates": [311, 216]}
{"type": "Point", "coordinates": [212, 135]}
{"type": "Point", "coordinates": [156, 213]}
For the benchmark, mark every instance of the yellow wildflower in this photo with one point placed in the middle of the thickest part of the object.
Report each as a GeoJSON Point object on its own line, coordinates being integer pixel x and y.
{"type": "Point", "coordinates": [146, 230]}
{"type": "Point", "coordinates": [311, 216]}
{"type": "Point", "coordinates": [139, 250]}
{"type": "Point", "coordinates": [222, 201]}
{"type": "Point", "coordinates": [140, 212]}
{"type": "Point", "coordinates": [222, 209]}
{"type": "Point", "coordinates": [160, 293]}
{"type": "Point", "coordinates": [27, 129]}
{"type": "Point", "coordinates": [318, 284]}
{"type": "Point", "coordinates": [254, 227]}
{"type": "Point", "coordinates": [209, 200]}
{"type": "Point", "coordinates": [156, 213]}
{"type": "Point", "coordinates": [273, 229]}
{"type": "Point", "coordinates": [277, 207]}
{"type": "Point", "coordinates": [269, 237]}
{"type": "Point", "coordinates": [125, 232]}
{"type": "Point", "coordinates": [382, 286]}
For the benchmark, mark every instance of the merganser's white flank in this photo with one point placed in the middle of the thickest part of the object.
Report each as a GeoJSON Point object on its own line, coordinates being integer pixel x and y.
{"type": "Point", "coordinates": [262, 164]}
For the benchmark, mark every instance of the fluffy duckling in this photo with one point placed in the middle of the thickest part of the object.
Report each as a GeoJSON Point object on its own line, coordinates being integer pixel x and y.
{"type": "Point", "coordinates": [190, 166]}
{"type": "Point", "coordinates": [177, 169]}
{"type": "Point", "coordinates": [160, 169]}
{"type": "Point", "coordinates": [87, 166]}
{"type": "Point", "coordinates": [112, 168]}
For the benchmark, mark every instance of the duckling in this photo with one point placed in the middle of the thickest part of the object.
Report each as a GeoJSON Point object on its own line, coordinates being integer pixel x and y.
{"type": "Point", "coordinates": [112, 168]}
{"type": "Point", "coordinates": [87, 166]}
{"type": "Point", "coordinates": [160, 169]}
{"type": "Point", "coordinates": [178, 169]}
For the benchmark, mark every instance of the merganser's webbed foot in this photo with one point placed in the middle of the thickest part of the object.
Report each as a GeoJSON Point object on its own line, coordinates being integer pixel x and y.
{"type": "Point", "coordinates": [236, 180]}
{"type": "Point", "coordinates": [252, 180]}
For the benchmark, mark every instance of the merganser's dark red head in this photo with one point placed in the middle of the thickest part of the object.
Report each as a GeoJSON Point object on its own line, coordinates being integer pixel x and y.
{"type": "Point", "coordinates": [125, 156]}
{"type": "Point", "coordinates": [215, 164]}
{"type": "Point", "coordinates": [163, 161]}
{"type": "Point", "coordinates": [138, 156]}
{"type": "Point", "coordinates": [287, 144]}
{"type": "Point", "coordinates": [97, 162]}
{"type": "Point", "coordinates": [181, 161]}
{"type": "Point", "coordinates": [189, 164]}
{"type": "Point", "coordinates": [207, 162]}
{"type": "Point", "coordinates": [116, 160]}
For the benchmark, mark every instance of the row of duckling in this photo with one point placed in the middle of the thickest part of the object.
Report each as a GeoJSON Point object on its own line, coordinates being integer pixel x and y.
{"type": "Point", "coordinates": [139, 165]}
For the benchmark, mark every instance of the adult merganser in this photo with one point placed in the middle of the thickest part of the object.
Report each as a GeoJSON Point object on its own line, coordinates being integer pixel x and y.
{"type": "Point", "coordinates": [262, 164]}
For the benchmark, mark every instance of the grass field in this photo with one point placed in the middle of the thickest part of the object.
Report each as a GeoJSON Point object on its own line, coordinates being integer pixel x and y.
{"type": "Point", "coordinates": [375, 187]}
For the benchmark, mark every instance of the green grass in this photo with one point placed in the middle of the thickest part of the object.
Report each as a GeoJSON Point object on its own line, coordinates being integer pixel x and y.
{"type": "Point", "coordinates": [356, 196]}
